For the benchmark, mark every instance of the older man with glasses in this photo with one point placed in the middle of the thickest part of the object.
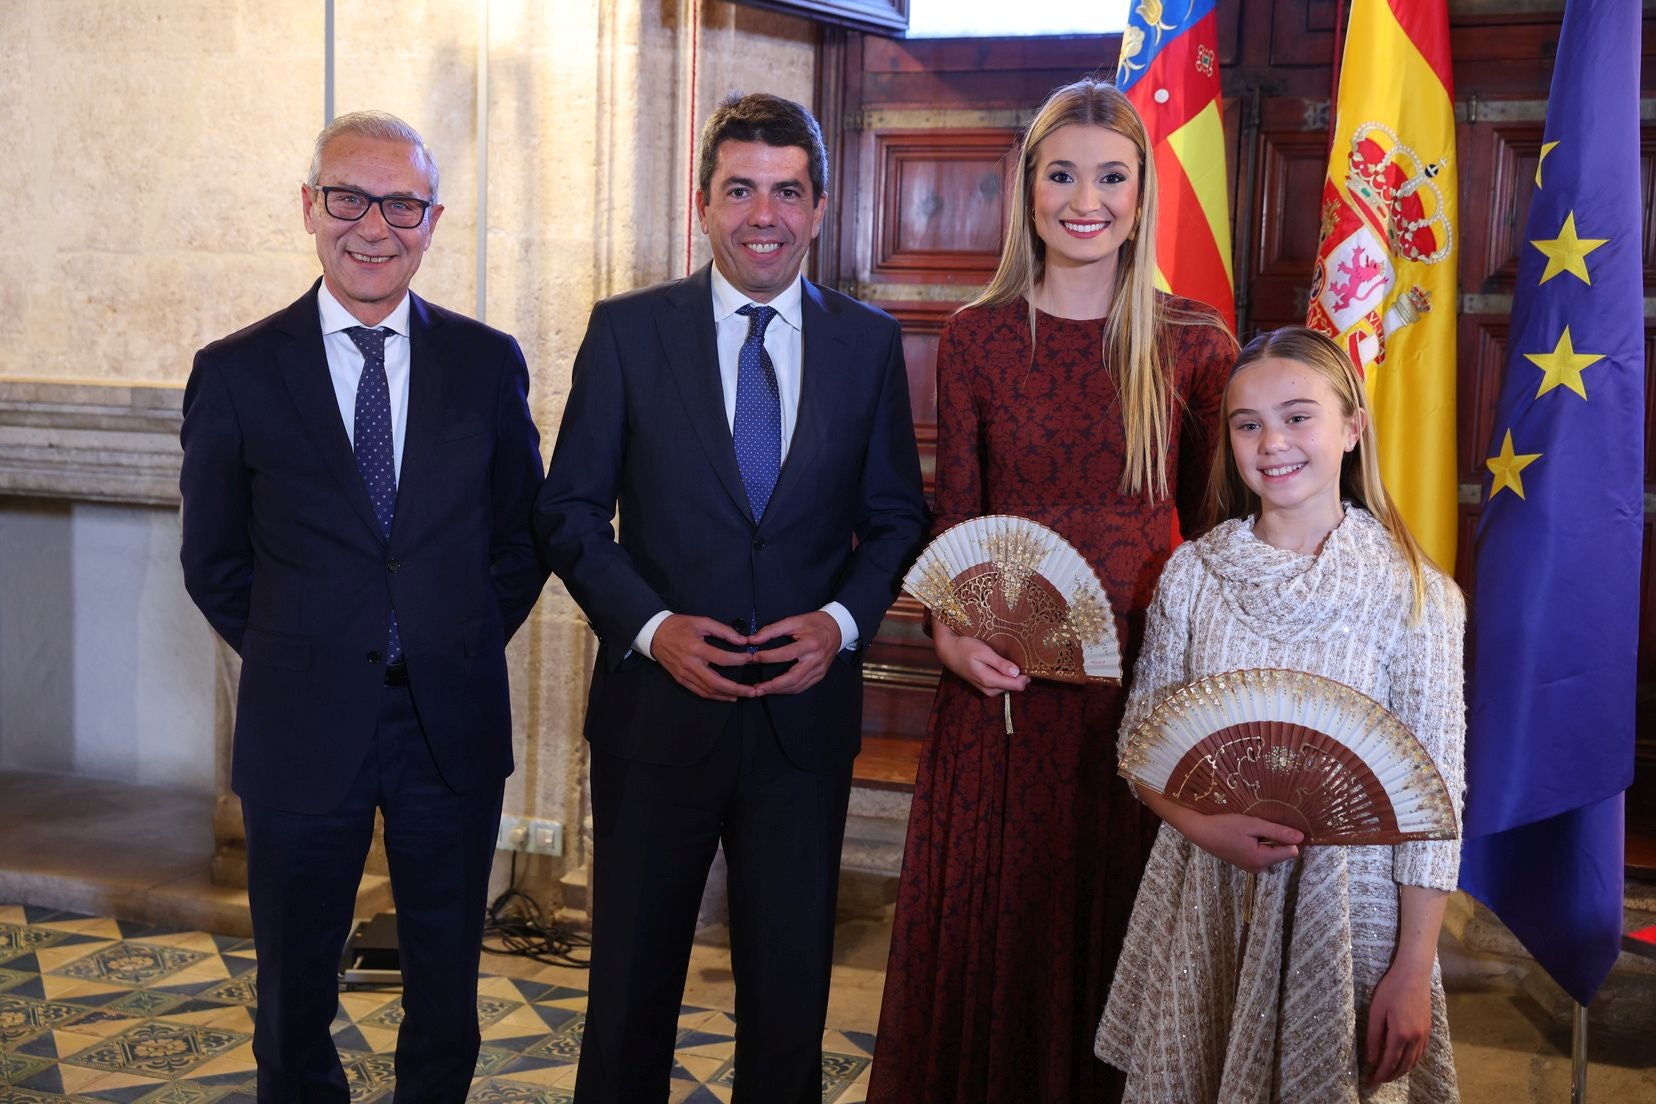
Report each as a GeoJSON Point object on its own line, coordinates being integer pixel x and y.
{"type": "Point", "coordinates": [359, 472]}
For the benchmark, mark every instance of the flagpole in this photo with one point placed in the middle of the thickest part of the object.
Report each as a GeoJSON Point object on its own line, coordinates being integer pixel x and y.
{"type": "Point", "coordinates": [1578, 1055]}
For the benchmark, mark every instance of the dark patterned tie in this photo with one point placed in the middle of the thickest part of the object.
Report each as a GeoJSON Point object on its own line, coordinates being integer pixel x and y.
{"type": "Point", "coordinates": [376, 456]}
{"type": "Point", "coordinates": [757, 430]}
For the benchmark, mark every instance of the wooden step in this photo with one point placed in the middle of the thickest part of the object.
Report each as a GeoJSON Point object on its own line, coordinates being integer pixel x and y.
{"type": "Point", "coordinates": [887, 762]}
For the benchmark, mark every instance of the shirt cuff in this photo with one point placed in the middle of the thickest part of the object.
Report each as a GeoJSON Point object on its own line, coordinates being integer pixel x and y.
{"type": "Point", "coordinates": [847, 624]}
{"type": "Point", "coordinates": [641, 642]}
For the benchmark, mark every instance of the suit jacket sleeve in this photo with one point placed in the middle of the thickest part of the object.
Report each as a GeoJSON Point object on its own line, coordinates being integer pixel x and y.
{"type": "Point", "coordinates": [892, 521]}
{"type": "Point", "coordinates": [514, 560]}
{"type": "Point", "coordinates": [576, 508]}
{"type": "Point", "coordinates": [217, 552]}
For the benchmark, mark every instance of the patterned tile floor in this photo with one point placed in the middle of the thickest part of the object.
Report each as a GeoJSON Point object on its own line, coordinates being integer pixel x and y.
{"type": "Point", "coordinates": [100, 1009]}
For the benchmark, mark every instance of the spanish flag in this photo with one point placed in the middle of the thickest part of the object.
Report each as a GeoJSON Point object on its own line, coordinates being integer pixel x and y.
{"type": "Point", "coordinates": [1169, 70]}
{"type": "Point", "coordinates": [1384, 281]}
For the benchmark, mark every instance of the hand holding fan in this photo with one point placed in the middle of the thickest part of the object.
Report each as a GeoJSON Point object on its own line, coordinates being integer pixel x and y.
{"type": "Point", "coordinates": [1026, 592]}
{"type": "Point", "coordinates": [1295, 749]}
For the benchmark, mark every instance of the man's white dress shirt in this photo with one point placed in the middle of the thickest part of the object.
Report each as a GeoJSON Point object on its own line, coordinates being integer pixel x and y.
{"type": "Point", "coordinates": [345, 364]}
{"type": "Point", "coordinates": [784, 341]}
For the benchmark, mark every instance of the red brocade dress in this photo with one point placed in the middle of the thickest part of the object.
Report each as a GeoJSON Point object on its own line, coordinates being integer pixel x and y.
{"type": "Point", "coordinates": [1024, 852]}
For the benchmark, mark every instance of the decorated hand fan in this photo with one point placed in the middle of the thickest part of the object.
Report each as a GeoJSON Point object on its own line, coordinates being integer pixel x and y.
{"type": "Point", "coordinates": [1295, 749]}
{"type": "Point", "coordinates": [1026, 592]}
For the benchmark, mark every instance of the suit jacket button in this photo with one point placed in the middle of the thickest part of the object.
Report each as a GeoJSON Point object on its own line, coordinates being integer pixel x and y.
{"type": "Point", "coordinates": [758, 545]}
{"type": "Point", "coordinates": [373, 657]}
{"type": "Point", "coordinates": [392, 565]}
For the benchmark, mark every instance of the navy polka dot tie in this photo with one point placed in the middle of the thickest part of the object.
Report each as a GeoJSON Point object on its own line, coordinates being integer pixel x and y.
{"type": "Point", "coordinates": [376, 456]}
{"type": "Point", "coordinates": [757, 431]}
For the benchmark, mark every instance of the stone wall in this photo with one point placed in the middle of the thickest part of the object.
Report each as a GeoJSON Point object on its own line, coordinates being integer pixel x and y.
{"type": "Point", "coordinates": [105, 668]}
{"type": "Point", "coordinates": [156, 151]}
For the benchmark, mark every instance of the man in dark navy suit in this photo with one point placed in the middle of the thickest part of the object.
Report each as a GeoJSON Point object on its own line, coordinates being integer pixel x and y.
{"type": "Point", "coordinates": [359, 475]}
{"type": "Point", "coordinates": [755, 431]}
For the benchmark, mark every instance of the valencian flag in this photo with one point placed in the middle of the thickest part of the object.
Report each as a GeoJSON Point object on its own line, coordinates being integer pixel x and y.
{"type": "Point", "coordinates": [1170, 71]}
{"type": "Point", "coordinates": [1555, 629]}
{"type": "Point", "coordinates": [1384, 281]}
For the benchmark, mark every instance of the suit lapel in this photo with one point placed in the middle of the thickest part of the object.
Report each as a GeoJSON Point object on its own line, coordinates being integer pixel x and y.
{"type": "Point", "coordinates": [304, 367]}
{"type": "Point", "coordinates": [428, 361]}
{"type": "Point", "coordinates": [686, 332]}
{"type": "Point", "coordinates": [822, 345]}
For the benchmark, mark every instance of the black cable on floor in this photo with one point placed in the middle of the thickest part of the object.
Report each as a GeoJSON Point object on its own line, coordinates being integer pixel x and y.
{"type": "Point", "coordinates": [521, 927]}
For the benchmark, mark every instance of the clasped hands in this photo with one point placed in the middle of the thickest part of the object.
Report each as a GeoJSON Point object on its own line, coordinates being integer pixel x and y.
{"type": "Point", "coordinates": [683, 645]}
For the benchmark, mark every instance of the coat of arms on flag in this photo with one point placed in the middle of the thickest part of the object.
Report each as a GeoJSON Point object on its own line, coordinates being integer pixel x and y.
{"type": "Point", "coordinates": [1389, 207]}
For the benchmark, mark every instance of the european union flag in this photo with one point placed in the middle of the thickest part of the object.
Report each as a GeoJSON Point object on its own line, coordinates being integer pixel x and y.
{"type": "Point", "coordinates": [1555, 614]}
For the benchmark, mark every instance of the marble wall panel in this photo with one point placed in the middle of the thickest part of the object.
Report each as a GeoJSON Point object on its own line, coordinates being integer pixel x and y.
{"type": "Point", "coordinates": [105, 668]}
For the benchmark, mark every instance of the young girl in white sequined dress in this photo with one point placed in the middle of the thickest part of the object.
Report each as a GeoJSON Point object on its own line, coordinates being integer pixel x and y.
{"type": "Point", "coordinates": [1332, 992]}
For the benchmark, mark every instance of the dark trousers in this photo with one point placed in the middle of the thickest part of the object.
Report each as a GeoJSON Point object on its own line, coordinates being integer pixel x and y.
{"type": "Point", "coordinates": [302, 875]}
{"type": "Point", "coordinates": [655, 832]}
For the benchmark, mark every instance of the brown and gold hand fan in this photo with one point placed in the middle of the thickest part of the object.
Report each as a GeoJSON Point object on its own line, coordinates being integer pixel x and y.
{"type": "Point", "coordinates": [1295, 749]}
{"type": "Point", "coordinates": [1026, 592]}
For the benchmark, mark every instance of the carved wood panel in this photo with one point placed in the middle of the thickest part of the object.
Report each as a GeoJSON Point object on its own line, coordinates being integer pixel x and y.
{"type": "Point", "coordinates": [1285, 225]}
{"type": "Point", "coordinates": [975, 72]}
{"type": "Point", "coordinates": [939, 204]}
{"type": "Point", "coordinates": [922, 324]}
{"type": "Point", "coordinates": [1483, 346]}
{"type": "Point", "coordinates": [1513, 152]}
{"type": "Point", "coordinates": [1302, 33]}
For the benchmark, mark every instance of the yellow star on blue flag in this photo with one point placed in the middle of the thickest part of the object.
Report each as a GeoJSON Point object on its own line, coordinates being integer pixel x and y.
{"type": "Point", "coordinates": [1568, 252]}
{"type": "Point", "coordinates": [1555, 628]}
{"type": "Point", "coordinates": [1507, 468]}
{"type": "Point", "coordinates": [1563, 366]}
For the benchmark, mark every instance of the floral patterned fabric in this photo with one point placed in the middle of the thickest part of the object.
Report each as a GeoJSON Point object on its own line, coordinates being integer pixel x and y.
{"type": "Point", "coordinates": [1024, 851]}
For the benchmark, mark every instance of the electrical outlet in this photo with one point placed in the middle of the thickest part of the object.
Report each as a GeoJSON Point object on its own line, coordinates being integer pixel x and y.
{"type": "Point", "coordinates": [513, 835]}
{"type": "Point", "coordinates": [536, 836]}
{"type": "Point", "coordinates": [546, 837]}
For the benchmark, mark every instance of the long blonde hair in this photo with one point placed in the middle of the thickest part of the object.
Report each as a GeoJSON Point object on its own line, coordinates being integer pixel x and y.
{"type": "Point", "coordinates": [1229, 497]}
{"type": "Point", "coordinates": [1131, 349]}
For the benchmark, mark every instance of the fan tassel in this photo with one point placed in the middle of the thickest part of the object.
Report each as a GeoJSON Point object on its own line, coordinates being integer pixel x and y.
{"type": "Point", "coordinates": [1248, 883]}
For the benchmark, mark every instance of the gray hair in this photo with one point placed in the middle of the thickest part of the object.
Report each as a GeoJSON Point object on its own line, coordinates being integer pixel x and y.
{"type": "Point", "coordinates": [374, 124]}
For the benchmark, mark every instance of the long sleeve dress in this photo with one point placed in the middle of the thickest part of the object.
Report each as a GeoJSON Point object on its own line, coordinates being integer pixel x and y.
{"type": "Point", "coordinates": [1024, 851]}
{"type": "Point", "coordinates": [1196, 1013]}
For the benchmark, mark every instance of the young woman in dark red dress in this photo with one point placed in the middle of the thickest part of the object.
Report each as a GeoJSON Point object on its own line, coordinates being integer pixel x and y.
{"type": "Point", "coordinates": [1073, 393]}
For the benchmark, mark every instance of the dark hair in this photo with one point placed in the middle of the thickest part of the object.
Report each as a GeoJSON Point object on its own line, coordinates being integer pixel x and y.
{"type": "Point", "coordinates": [761, 117]}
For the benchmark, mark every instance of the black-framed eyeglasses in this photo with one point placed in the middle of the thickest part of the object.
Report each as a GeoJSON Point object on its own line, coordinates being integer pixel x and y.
{"type": "Point", "coordinates": [349, 205]}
